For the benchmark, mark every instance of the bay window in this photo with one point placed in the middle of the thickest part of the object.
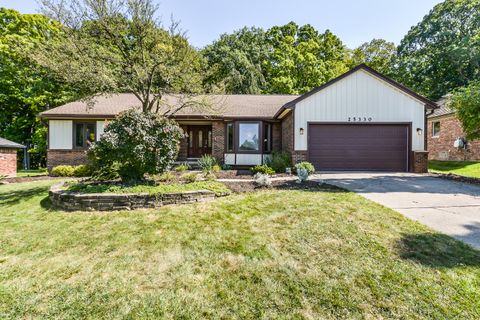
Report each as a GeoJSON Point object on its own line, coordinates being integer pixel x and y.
{"type": "Point", "coordinates": [230, 137]}
{"type": "Point", "coordinates": [248, 137]}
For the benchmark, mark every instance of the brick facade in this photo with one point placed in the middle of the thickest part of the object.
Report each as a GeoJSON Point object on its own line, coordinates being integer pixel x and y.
{"type": "Point", "coordinates": [441, 147]}
{"type": "Point", "coordinates": [420, 162]}
{"type": "Point", "coordinates": [8, 162]}
{"type": "Point", "coordinates": [183, 147]}
{"type": "Point", "coordinates": [66, 157]}
{"type": "Point", "coordinates": [276, 136]}
{"type": "Point", "coordinates": [218, 140]}
{"type": "Point", "coordinates": [287, 133]}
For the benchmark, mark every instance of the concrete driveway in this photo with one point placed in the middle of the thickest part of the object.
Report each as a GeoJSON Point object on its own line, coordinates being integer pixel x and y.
{"type": "Point", "coordinates": [446, 206]}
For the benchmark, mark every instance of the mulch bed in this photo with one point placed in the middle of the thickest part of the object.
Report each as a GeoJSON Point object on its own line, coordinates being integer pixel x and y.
{"type": "Point", "coordinates": [455, 177]}
{"type": "Point", "coordinates": [243, 174]}
{"type": "Point", "coordinates": [250, 186]}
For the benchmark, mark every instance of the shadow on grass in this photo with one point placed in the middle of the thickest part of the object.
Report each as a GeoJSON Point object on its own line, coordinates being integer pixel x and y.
{"type": "Point", "coordinates": [15, 196]}
{"type": "Point", "coordinates": [437, 250]}
{"type": "Point", "coordinates": [45, 203]}
{"type": "Point", "coordinates": [449, 165]}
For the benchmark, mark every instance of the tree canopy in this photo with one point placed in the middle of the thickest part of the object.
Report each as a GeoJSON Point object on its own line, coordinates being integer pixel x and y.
{"type": "Point", "coordinates": [115, 46]}
{"type": "Point", "coordinates": [26, 89]}
{"type": "Point", "coordinates": [377, 54]}
{"type": "Point", "coordinates": [442, 52]}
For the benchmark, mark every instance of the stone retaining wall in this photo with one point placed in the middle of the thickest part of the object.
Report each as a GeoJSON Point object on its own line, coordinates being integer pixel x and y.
{"type": "Point", "coordinates": [75, 201]}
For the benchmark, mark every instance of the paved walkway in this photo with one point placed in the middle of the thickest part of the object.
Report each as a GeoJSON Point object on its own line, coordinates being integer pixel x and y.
{"type": "Point", "coordinates": [447, 206]}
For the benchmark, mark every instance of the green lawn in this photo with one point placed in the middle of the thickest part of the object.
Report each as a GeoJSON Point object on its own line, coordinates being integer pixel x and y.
{"type": "Point", "coordinates": [32, 173]}
{"type": "Point", "coordinates": [271, 254]}
{"type": "Point", "coordinates": [217, 187]}
{"type": "Point", "coordinates": [462, 168]}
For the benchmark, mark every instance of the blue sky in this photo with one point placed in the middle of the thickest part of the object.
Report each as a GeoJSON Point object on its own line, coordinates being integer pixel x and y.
{"type": "Point", "coordinates": [354, 21]}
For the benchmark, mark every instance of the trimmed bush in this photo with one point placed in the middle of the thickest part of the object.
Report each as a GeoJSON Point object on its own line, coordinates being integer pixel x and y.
{"type": "Point", "coordinates": [305, 165]}
{"type": "Point", "coordinates": [264, 169]}
{"type": "Point", "coordinates": [137, 143]}
{"type": "Point", "coordinates": [63, 171]}
{"type": "Point", "coordinates": [216, 168]}
{"type": "Point", "coordinates": [280, 161]}
{"type": "Point", "coordinates": [190, 177]}
{"type": "Point", "coordinates": [165, 177]}
{"type": "Point", "coordinates": [182, 167]}
{"type": "Point", "coordinates": [83, 170]}
{"type": "Point", "coordinates": [206, 163]}
{"type": "Point", "coordinates": [210, 177]}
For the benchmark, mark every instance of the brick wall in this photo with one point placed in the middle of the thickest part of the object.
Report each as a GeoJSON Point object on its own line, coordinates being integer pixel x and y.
{"type": "Point", "coordinates": [8, 162]}
{"type": "Point", "coordinates": [441, 147]}
{"type": "Point", "coordinates": [218, 140]}
{"type": "Point", "coordinates": [183, 148]}
{"type": "Point", "coordinates": [66, 157]}
{"type": "Point", "coordinates": [276, 136]}
{"type": "Point", "coordinates": [287, 133]}
{"type": "Point", "coordinates": [420, 162]}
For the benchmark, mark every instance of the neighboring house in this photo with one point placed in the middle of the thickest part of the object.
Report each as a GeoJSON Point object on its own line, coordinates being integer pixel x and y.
{"type": "Point", "coordinates": [444, 129]}
{"type": "Point", "coordinates": [8, 157]}
{"type": "Point", "coordinates": [361, 120]}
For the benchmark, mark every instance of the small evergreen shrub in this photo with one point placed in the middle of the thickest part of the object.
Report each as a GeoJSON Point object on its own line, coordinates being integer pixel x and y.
{"type": "Point", "coordinates": [63, 171]}
{"type": "Point", "coordinates": [189, 177]}
{"type": "Point", "coordinates": [264, 169]}
{"type": "Point", "coordinates": [210, 177]}
{"type": "Point", "coordinates": [83, 170]}
{"type": "Point", "coordinates": [206, 163]}
{"type": "Point", "coordinates": [226, 167]}
{"type": "Point", "coordinates": [182, 167]}
{"type": "Point", "coordinates": [216, 168]}
{"type": "Point", "coordinates": [305, 165]}
{"type": "Point", "coordinates": [165, 177]}
{"type": "Point", "coordinates": [280, 161]}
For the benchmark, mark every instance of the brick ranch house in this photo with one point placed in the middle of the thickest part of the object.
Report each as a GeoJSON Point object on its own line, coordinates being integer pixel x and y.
{"type": "Point", "coordinates": [360, 120]}
{"type": "Point", "coordinates": [443, 129]}
{"type": "Point", "coordinates": [8, 157]}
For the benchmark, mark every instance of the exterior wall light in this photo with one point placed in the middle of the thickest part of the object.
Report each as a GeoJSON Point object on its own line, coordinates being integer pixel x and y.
{"type": "Point", "coordinates": [419, 131]}
{"type": "Point", "coordinates": [302, 131]}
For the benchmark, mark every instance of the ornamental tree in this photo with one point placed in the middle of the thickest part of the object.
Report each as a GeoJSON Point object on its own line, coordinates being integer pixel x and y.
{"type": "Point", "coordinates": [136, 143]}
{"type": "Point", "coordinates": [466, 102]}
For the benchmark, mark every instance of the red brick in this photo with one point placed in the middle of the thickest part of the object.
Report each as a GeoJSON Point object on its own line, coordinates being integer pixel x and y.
{"type": "Point", "coordinates": [8, 162]}
{"type": "Point", "coordinates": [441, 147]}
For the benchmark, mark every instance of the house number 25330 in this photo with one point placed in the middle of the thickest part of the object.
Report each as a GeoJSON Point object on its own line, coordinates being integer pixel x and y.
{"type": "Point", "coordinates": [359, 119]}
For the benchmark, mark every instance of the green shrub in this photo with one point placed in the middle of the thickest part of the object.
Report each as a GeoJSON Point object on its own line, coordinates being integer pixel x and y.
{"type": "Point", "coordinates": [226, 167]}
{"type": "Point", "coordinates": [63, 171]}
{"type": "Point", "coordinates": [138, 143]}
{"type": "Point", "coordinates": [83, 170]}
{"type": "Point", "coordinates": [216, 168]}
{"type": "Point", "coordinates": [182, 167]}
{"type": "Point", "coordinates": [264, 169]}
{"type": "Point", "coordinates": [165, 177]}
{"type": "Point", "coordinates": [210, 177]}
{"type": "Point", "coordinates": [206, 163]}
{"type": "Point", "coordinates": [190, 177]}
{"type": "Point", "coordinates": [280, 161]}
{"type": "Point", "coordinates": [307, 166]}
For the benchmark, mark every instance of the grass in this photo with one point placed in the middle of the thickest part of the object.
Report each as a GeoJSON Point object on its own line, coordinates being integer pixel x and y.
{"type": "Point", "coordinates": [32, 173]}
{"type": "Point", "coordinates": [217, 187]}
{"type": "Point", "coordinates": [269, 254]}
{"type": "Point", "coordinates": [461, 168]}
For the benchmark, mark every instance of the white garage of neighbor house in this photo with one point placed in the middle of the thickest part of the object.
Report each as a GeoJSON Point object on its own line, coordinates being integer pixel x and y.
{"type": "Point", "coordinates": [361, 120]}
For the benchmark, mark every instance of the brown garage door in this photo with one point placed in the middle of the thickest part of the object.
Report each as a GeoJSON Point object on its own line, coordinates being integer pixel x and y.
{"type": "Point", "coordinates": [376, 147]}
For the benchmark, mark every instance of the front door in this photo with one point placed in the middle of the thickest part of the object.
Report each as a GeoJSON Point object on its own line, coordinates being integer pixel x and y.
{"type": "Point", "coordinates": [199, 141]}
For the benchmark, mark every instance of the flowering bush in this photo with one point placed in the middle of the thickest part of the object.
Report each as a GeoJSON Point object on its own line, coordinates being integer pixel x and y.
{"type": "Point", "coordinates": [136, 143]}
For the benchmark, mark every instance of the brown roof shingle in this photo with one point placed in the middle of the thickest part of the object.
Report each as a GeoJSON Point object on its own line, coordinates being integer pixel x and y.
{"type": "Point", "coordinates": [222, 106]}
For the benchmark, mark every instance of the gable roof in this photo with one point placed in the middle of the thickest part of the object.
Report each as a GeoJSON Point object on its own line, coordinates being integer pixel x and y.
{"type": "Point", "coordinates": [220, 106]}
{"type": "Point", "coordinates": [4, 143]}
{"type": "Point", "coordinates": [428, 103]}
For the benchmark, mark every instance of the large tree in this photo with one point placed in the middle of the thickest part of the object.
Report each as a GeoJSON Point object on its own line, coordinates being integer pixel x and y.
{"type": "Point", "coordinates": [235, 61]}
{"type": "Point", "coordinates": [466, 102]}
{"type": "Point", "coordinates": [25, 88]}
{"type": "Point", "coordinates": [301, 58]}
{"type": "Point", "coordinates": [111, 46]}
{"type": "Point", "coordinates": [377, 54]}
{"type": "Point", "coordinates": [442, 52]}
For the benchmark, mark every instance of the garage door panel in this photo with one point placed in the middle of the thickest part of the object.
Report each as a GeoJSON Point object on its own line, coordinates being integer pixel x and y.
{"type": "Point", "coordinates": [358, 147]}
